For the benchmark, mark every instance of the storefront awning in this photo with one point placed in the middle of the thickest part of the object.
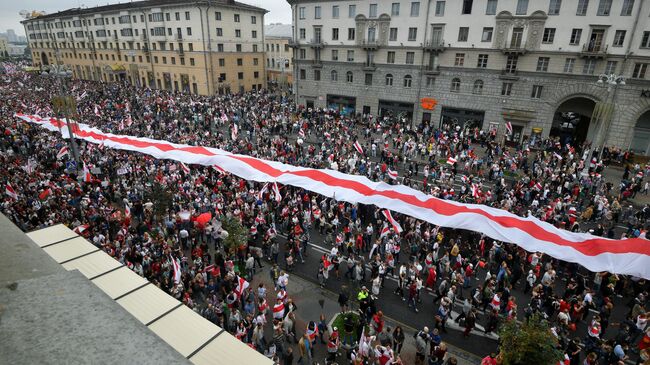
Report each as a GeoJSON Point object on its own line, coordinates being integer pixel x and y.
{"type": "Point", "coordinates": [118, 68]}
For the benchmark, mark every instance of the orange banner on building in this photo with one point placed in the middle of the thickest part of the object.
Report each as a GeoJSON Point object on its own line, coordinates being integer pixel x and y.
{"type": "Point", "coordinates": [428, 103]}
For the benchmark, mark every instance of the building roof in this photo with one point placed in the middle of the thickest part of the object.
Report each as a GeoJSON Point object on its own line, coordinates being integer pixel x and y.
{"type": "Point", "coordinates": [145, 4]}
{"type": "Point", "coordinates": [277, 30]}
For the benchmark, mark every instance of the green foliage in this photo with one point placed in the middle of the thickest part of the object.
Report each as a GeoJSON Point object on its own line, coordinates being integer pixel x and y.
{"type": "Point", "coordinates": [161, 199]}
{"type": "Point", "coordinates": [530, 342]}
{"type": "Point", "coordinates": [237, 234]}
{"type": "Point", "coordinates": [339, 322]}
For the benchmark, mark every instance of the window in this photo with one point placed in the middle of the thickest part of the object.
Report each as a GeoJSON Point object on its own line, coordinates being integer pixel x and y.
{"type": "Point", "coordinates": [389, 80]}
{"type": "Point", "coordinates": [156, 17]}
{"type": "Point", "coordinates": [237, 47]}
{"type": "Point", "coordinates": [236, 18]}
{"type": "Point", "coordinates": [254, 34]}
{"type": "Point", "coordinates": [192, 62]}
{"type": "Point", "coordinates": [549, 35]}
{"type": "Point", "coordinates": [303, 74]}
{"type": "Point", "coordinates": [542, 64]}
{"type": "Point", "coordinates": [619, 38]}
{"type": "Point", "coordinates": [575, 36]}
{"type": "Point", "coordinates": [222, 77]}
{"type": "Point", "coordinates": [455, 85]}
{"type": "Point", "coordinates": [240, 62]}
{"type": "Point", "coordinates": [413, 33]}
{"type": "Point", "coordinates": [392, 34]}
{"type": "Point", "coordinates": [440, 8]}
{"type": "Point", "coordinates": [217, 15]}
{"type": "Point", "coordinates": [301, 12]}
{"type": "Point", "coordinates": [430, 81]}
{"type": "Point", "coordinates": [460, 60]}
{"type": "Point", "coordinates": [610, 67]}
{"type": "Point", "coordinates": [123, 19]}
{"type": "Point", "coordinates": [415, 8]}
{"type": "Point", "coordinates": [390, 57]}
{"type": "Point", "coordinates": [240, 75]}
{"type": "Point", "coordinates": [410, 58]}
{"type": "Point", "coordinates": [537, 92]}
{"type": "Point", "coordinates": [334, 76]}
{"type": "Point", "coordinates": [589, 67]}
{"type": "Point", "coordinates": [335, 12]}
{"type": "Point", "coordinates": [222, 62]}
{"type": "Point", "coordinates": [554, 7]}
{"type": "Point", "coordinates": [478, 87]}
{"type": "Point", "coordinates": [335, 55]}
{"type": "Point", "coordinates": [408, 80]}
{"type": "Point", "coordinates": [253, 19]}
{"type": "Point", "coordinates": [335, 34]}
{"type": "Point", "coordinates": [467, 6]}
{"type": "Point", "coordinates": [352, 11]}
{"type": "Point", "coordinates": [317, 12]}
{"type": "Point", "coordinates": [368, 80]}
{"type": "Point", "coordinates": [491, 8]}
{"type": "Point", "coordinates": [463, 34]}
{"type": "Point", "coordinates": [372, 11]}
{"type": "Point", "coordinates": [394, 9]}
{"type": "Point", "coordinates": [628, 5]}
{"type": "Point", "coordinates": [254, 47]}
{"type": "Point", "coordinates": [645, 40]}
{"type": "Point", "coordinates": [187, 15]}
{"type": "Point", "coordinates": [487, 34]}
{"type": "Point", "coordinates": [302, 33]}
{"type": "Point", "coordinates": [302, 54]}
{"type": "Point", "coordinates": [511, 63]}
{"type": "Point", "coordinates": [639, 70]}
{"type": "Point", "coordinates": [351, 34]}
{"type": "Point", "coordinates": [316, 75]}
{"type": "Point", "coordinates": [482, 61]}
{"type": "Point", "coordinates": [582, 7]}
{"type": "Point", "coordinates": [220, 47]}
{"type": "Point", "coordinates": [604, 7]}
{"type": "Point", "coordinates": [568, 65]}
{"type": "Point", "coordinates": [522, 7]}
{"type": "Point", "coordinates": [238, 33]}
{"type": "Point", "coordinates": [506, 88]}
{"type": "Point", "coordinates": [350, 56]}
{"type": "Point", "coordinates": [349, 77]}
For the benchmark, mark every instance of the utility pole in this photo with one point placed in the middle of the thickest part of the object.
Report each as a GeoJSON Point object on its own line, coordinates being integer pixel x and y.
{"type": "Point", "coordinates": [67, 106]}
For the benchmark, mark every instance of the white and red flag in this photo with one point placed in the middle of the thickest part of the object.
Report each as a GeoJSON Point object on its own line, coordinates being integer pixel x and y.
{"type": "Point", "coordinates": [127, 210]}
{"type": "Point", "coordinates": [392, 174]}
{"type": "Point", "coordinates": [9, 190]}
{"type": "Point", "coordinates": [234, 132]}
{"type": "Point", "coordinates": [177, 270]}
{"type": "Point", "coordinates": [88, 177]}
{"type": "Point", "coordinates": [81, 229]}
{"type": "Point", "coordinates": [385, 230]}
{"type": "Point", "coordinates": [97, 111]}
{"type": "Point", "coordinates": [185, 168]}
{"type": "Point", "coordinates": [476, 192]}
{"type": "Point", "coordinates": [451, 160]}
{"type": "Point", "coordinates": [62, 152]}
{"type": "Point", "coordinates": [509, 128]}
{"type": "Point", "coordinates": [392, 221]}
{"type": "Point", "coordinates": [242, 285]}
{"type": "Point", "coordinates": [301, 133]}
{"type": "Point", "coordinates": [276, 192]}
{"type": "Point", "coordinates": [357, 146]}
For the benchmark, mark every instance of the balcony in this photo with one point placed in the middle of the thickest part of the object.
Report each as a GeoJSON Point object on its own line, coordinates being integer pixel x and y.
{"type": "Point", "coordinates": [509, 74]}
{"type": "Point", "coordinates": [432, 70]}
{"type": "Point", "coordinates": [317, 63]}
{"type": "Point", "coordinates": [181, 52]}
{"type": "Point", "coordinates": [513, 48]}
{"type": "Point", "coordinates": [370, 45]}
{"type": "Point", "coordinates": [434, 45]}
{"type": "Point", "coordinates": [369, 66]}
{"type": "Point", "coordinates": [146, 49]}
{"type": "Point", "coordinates": [316, 43]}
{"type": "Point", "coordinates": [179, 37]}
{"type": "Point", "coordinates": [294, 44]}
{"type": "Point", "coordinates": [593, 51]}
{"type": "Point", "coordinates": [143, 36]}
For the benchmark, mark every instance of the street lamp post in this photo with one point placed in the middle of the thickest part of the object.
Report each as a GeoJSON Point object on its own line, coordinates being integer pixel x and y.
{"type": "Point", "coordinates": [612, 82]}
{"type": "Point", "coordinates": [65, 105]}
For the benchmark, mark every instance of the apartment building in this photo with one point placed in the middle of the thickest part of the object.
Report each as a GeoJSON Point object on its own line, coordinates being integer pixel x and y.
{"type": "Point", "coordinates": [202, 47]}
{"type": "Point", "coordinates": [279, 65]}
{"type": "Point", "coordinates": [534, 63]}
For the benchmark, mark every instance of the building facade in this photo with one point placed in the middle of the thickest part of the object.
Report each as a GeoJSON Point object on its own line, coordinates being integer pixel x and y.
{"type": "Point", "coordinates": [4, 47]}
{"type": "Point", "coordinates": [533, 63]}
{"type": "Point", "coordinates": [279, 65]}
{"type": "Point", "coordinates": [202, 47]}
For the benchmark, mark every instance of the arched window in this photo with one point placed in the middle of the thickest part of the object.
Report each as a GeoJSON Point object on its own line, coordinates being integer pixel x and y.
{"type": "Point", "coordinates": [455, 85]}
{"type": "Point", "coordinates": [349, 77]}
{"type": "Point", "coordinates": [335, 75]}
{"type": "Point", "coordinates": [389, 79]}
{"type": "Point", "coordinates": [408, 80]}
{"type": "Point", "coordinates": [478, 87]}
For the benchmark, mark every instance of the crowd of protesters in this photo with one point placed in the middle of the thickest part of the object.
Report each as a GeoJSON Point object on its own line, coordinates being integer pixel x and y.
{"type": "Point", "coordinates": [145, 213]}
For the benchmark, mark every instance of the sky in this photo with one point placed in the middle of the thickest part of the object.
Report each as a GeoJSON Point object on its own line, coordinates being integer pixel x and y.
{"type": "Point", "coordinates": [279, 10]}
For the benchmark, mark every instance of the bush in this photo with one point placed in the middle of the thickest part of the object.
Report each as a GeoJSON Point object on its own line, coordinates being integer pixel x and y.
{"type": "Point", "coordinates": [237, 234]}
{"type": "Point", "coordinates": [530, 342]}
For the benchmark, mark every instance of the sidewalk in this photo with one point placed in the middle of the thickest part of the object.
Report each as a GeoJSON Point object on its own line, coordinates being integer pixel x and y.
{"type": "Point", "coordinates": [311, 301]}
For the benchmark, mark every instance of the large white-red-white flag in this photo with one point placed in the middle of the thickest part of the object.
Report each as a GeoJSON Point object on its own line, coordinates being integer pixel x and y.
{"type": "Point", "coordinates": [392, 221]}
{"type": "Point", "coordinates": [9, 190]}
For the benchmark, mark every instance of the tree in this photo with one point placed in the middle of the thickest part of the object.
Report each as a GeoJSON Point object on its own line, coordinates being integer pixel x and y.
{"type": "Point", "coordinates": [530, 342]}
{"type": "Point", "coordinates": [161, 198]}
{"type": "Point", "coordinates": [237, 235]}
